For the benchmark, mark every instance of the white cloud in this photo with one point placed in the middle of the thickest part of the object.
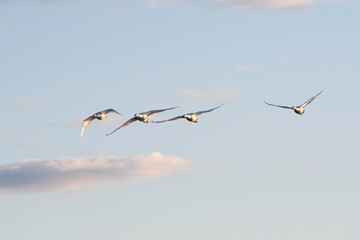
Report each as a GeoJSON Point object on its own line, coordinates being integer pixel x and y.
{"type": "Point", "coordinates": [246, 4]}
{"type": "Point", "coordinates": [73, 173]}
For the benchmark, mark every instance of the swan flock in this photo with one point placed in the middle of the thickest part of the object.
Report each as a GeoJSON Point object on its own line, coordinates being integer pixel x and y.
{"type": "Point", "coordinates": [191, 117]}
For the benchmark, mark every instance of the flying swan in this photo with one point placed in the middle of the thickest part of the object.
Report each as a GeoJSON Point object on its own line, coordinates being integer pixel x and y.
{"type": "Point", "coordinates": [299, 109]}
{"type": "Point", "coordinates": [99, 115]}
{"type": "Point", "coordinates": [191, 117]}
{"type": "Point", "coordinates": [143, 117]}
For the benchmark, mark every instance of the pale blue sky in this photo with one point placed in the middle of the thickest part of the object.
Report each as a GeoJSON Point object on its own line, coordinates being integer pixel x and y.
{"type": "Point", "coordinates": [244, 171]}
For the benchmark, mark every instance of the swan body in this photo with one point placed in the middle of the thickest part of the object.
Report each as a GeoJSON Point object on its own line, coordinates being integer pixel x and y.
{"type": "Point", "coordinates": [142, 117]}
{"type": "Point", "coordinates": [298, 109]}
{"type": "Point", "coordinates": [99, 115]}
{"type": "Point", "coordinates": [191, 117]}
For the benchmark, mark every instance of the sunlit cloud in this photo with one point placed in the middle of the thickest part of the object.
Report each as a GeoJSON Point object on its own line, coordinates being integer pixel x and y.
{"type": "Point", "coordinates": [73, 173]}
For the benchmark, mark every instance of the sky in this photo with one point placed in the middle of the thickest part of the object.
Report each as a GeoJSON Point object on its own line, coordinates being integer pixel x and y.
{"type": "Point", "coordinates": [245, 171]}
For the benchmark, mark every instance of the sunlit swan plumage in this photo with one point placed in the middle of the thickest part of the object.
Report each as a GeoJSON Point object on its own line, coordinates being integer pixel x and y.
{"type": "Point", "coordinates": [99, 115]}
{"type": "Point", "coordinates": [143, 117]}
{"type": "Point", "coordinates": [298, 109]}
{"type": "Point", "coordinates": [191, 117]}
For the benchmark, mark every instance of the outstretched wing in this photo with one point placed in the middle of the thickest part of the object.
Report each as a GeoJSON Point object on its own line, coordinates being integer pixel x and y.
{"type": "Point", "coordinates": [277, 105]}
{"type": "Point", "coordinates": [157, 111]}
{"type": "Point", "coordinates": [110, 110]}
{"type": "Point", "coordinates": [201, 112]}
{"type": "Point", "coordinates": [124, 125]}
{"type": "Point", "coordinates": [171, 119]}
{"type": "Point", "coordinates": [311, 99]}
{"type": "Point", "coordinates": [85, 124]}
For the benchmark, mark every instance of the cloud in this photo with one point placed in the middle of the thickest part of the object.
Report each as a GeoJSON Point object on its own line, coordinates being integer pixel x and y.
{"type": "Point", "coordinates": [6, 138]}
{"type": "Point", "coordinates": [23, 102]}
{"type": "Point", "coordinates": [286, 135]}
{"type": "Point", "coordinates": [223, 4]}
{"type": "Point", "coordinates": [73, 173]}
{"type": "Point", "coordinates": [46, 1]}
{"type": "Point", "coordinates": [213, 95]}
{"type": "Point", "coordinates": [246, 4]}
{"type": "Point", "coordinates": [246, 68]}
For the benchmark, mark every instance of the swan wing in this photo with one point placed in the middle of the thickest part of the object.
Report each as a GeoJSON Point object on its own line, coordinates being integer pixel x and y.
{"type": "Point", "coordinates": [171, 119]}
{"type": "Point", "coordinates": [311, 99]}
{"type": "Point", "coordinates": [85, 124]}
{"type": "Point", "coordinates": [123, 125]}
{"type": "Point", "coordinates": [111, 110]}
{"type": "Point", "coordinates": [277, 105]}
{"type": "Point", "coordinates": [201, 112]}
{"type": "Point", "coordinates": [148, 113]}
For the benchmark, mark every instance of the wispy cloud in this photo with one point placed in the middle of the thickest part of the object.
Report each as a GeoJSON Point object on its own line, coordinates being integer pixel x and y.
{"type": "Point", "coordinates": [35, 144]}
{"type": "Point", "coordinates": [6, 138]}
{"type": "Point", "coordinates": [23, 102]}
{"type": "Point", "coordinates": [73, 173]}
{"type": "Point", "coordinates": [246, 68]}
{"type": "Point", "coordinates": [286, 135]}
{"type": "Point", "coordinates": [209, 95]}
{"type": "Point", "coordinates": [223, 4]}
{"type": "Point", "coordinates": [246, 4]}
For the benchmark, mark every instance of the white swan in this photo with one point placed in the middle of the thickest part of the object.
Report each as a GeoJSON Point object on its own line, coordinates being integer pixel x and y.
{"type": "Point", "coordinates": [191, 117]}
{"type": "Point", "coordinates": [299, 109]}
{"type": "Point", "coordinates": [143, 117]}
{"type": "Point", "coordinates": [99, 115]}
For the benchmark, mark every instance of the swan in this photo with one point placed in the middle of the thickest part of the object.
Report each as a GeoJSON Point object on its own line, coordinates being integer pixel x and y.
{"type": "Point", "coordinates": [143, 117]}
{"type": "Point", "coordinates": [191, 117]}
{"type": "Point", "coordinates": [99, 115]}
{"type": "Point", "coordinates": [298, 109]}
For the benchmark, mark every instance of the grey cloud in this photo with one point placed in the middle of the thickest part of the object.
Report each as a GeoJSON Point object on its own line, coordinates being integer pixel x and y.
{"type": "Point", "coordinates": [73, 173]}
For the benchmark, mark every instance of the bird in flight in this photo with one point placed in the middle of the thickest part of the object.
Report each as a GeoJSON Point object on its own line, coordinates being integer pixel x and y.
{"type": "Point", "coordinates": [191, 117]}
{"type": "Point", "coordinates": [143, 117]}
{"type": "Point", "coordinates": [298, 109]}
{"type": "Point", "coordinates": [99, 115]}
